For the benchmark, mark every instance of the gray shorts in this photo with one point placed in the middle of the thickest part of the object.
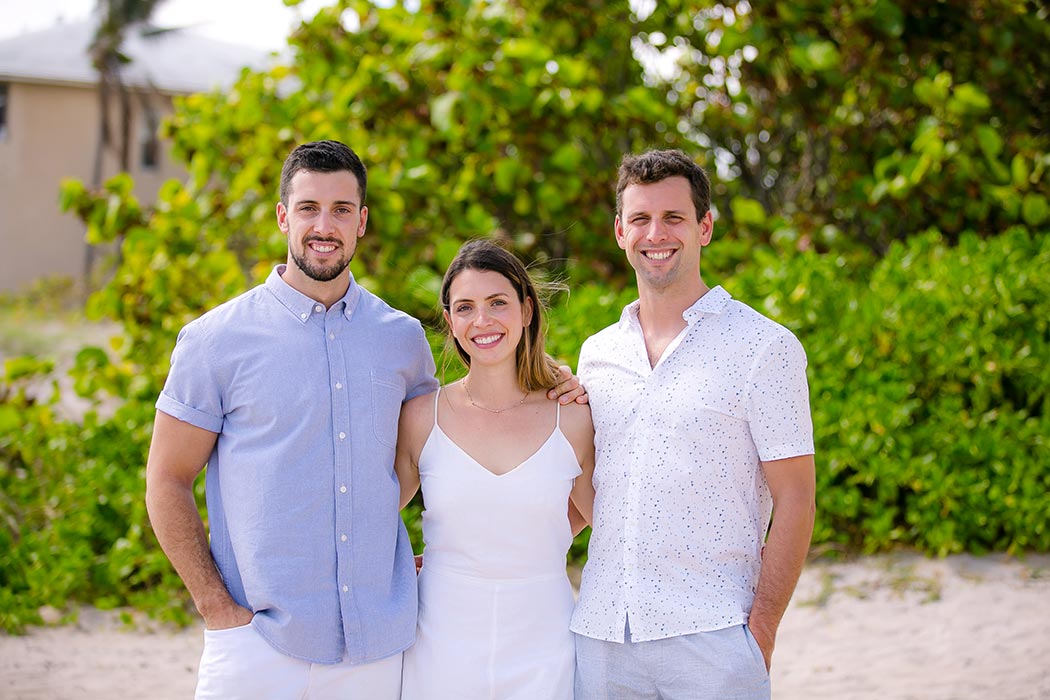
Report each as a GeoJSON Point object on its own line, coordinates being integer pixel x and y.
{"type": "Point", "coordinates": [724, 664]}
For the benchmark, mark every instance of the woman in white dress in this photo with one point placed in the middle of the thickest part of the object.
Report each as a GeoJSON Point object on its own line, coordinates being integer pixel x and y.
{"type": "Point", "coordinates": [497, 462]}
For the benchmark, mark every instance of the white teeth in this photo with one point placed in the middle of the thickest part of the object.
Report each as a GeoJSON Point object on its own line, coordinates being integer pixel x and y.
{"type": "Point", "coordinates": [323, 248]}
{"type": "Point", "coordinates": [485, 340]}
{"type": "Point", "coordinates": [653, 255]}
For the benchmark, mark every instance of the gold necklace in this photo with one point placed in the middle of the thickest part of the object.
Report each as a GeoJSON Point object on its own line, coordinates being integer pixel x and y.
{"type": "Point", "coordinates": [491, 410]}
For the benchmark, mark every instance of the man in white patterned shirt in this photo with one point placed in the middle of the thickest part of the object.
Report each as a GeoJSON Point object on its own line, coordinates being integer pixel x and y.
{"type": "Point", "coordinates": [703, 428]}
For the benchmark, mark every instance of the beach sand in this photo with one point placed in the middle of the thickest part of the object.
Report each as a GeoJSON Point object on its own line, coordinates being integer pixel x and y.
{"type": "Point", "coordinates": [899, 627]}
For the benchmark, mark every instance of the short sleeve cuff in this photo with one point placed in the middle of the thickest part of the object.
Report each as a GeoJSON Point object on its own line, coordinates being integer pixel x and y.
{"type": "Point", "coordinates": [188, 414]}
{"type": "Point", "coordinates": [786, 451]}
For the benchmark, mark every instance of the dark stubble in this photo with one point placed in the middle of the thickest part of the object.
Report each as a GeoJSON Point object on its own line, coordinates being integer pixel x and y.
{"type": "Point", "coordinates": [320, 273]}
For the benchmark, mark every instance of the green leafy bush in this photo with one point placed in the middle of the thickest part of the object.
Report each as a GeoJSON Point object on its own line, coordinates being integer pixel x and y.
{"type": "Point", "coordinates": [930, 388]}
{"type": "Point", "coordinates": [73, 520]}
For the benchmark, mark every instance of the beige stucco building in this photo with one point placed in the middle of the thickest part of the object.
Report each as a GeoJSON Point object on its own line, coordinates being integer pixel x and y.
{"type": "Point", "coordinates": [49, 130]}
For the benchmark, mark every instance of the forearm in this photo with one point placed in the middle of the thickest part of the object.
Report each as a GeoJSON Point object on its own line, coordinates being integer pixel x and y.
{"type": "Point", "coordinates": [785, 553]}
{"type": "Point", "coordinates": [180, 532]}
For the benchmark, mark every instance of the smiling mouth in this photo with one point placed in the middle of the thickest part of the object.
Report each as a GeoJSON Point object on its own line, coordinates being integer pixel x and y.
{"type": "Point", "coordinates": [658, 254]}
{"type": "Point", "coordinates": [322, 247]}
{"type": "Point", "coordinates": [486, 339]}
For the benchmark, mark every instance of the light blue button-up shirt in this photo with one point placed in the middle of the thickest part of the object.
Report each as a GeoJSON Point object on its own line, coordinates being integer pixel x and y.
{"type": "Point", "coordinates": [301, 491]}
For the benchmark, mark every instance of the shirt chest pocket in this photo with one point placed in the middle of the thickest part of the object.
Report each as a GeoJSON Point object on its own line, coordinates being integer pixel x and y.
{"type": "Point", "coordinates": [388, 392]}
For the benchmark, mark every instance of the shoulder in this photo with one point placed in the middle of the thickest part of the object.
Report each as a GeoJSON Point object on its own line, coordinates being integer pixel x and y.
{"type": "Point", "coordinates": [382, 313]}
{"type": "Point", "coordinates": [748, 324]}
{"type": "Point", "coordinates": [610, 332]}
{"type": "Point", "coordinates": [576, 414]}
{"type": "Point", "coordinates": [418, 411]}
{"type": "Point", "coordinates": [760, 342]}
{"type": "Point", "coordinates": [229, 314]}
{"type": "Point", "coordinates": [576, 423]}
{"type": "Point", "coordinates": [422, 405]}
{"type": "Point", "coordinates": [602, 339]}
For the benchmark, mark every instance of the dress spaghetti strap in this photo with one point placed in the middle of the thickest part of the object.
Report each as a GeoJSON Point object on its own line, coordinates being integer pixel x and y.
{"type": "Point", "coordinates": [437, 395]}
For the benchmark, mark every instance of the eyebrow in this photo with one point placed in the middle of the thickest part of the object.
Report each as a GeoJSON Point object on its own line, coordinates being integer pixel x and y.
{"type": "Point", "coordinates": [338, 202]}
{"type": "Point", "coordinates": [646, 212]}
{"type": "Point", "coordinates": [457, 300]}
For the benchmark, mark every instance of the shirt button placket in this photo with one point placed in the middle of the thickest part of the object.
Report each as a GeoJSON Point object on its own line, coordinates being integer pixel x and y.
{"type": "Point", "coordinates": [341, 424]}
{"type": "Point", "coordinates": [632, 516]}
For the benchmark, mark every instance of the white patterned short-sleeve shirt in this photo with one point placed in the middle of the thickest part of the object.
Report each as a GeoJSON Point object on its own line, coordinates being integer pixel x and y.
{"type": "Point", "coordinates": [681, 503]}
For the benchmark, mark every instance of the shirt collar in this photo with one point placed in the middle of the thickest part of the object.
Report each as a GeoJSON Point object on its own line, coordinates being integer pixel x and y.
{"type": "Point", "coordinates": [300, 305]}
{"type": "Point", "coordinates": [713, 302]}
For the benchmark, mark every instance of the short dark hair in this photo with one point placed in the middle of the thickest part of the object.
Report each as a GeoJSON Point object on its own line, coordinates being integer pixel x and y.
{"type": "Point", "coordinates": [322, 157]}
{"type": "Point", "coordinates": [653, 166]}
{"type": "Point", "coordinates": [536, 369]}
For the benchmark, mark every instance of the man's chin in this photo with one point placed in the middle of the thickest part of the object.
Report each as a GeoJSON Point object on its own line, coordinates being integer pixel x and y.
{"type": "Point", "coordinates": [658, 282]}
{"type": "Point", "coordinates": [321, 273]}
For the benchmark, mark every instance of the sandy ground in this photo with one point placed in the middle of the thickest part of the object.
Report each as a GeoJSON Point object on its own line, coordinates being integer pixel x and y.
{"type": "Point", "coordinates": [891, 628]}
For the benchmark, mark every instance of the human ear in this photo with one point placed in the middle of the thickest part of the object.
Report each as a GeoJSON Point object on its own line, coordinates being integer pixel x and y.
{"type": "Point", "coordinates": [364, 221]}
{"type": "Point", "coordinates": [620, 235]}
{"type": "Point", "coordinates": [282, 217]}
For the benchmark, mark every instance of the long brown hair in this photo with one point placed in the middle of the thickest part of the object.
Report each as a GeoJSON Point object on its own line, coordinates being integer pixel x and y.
{"type": "Point", "coordinates": [536, 369]}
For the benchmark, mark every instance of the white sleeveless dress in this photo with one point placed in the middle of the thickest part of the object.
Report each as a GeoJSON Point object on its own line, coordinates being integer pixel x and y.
{"type": "Point", "coordinates": [494, 600]}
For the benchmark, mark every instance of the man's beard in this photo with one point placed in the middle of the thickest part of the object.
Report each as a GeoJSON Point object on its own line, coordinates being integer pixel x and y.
{"type": "Point", "coordinates": [321, 273]}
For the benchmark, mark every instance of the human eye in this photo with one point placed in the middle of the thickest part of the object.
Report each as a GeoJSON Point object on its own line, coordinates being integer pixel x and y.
{"type": "Point", "coordinates": [462, 308]}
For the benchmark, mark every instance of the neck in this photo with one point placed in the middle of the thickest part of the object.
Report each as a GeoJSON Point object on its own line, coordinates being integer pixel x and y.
{"type": "Point", "coordinates": [326, 293]}
{"type": "Point", "coordinates": [494, 387]}
{"type": "Point", "coordinates": [661, 309]}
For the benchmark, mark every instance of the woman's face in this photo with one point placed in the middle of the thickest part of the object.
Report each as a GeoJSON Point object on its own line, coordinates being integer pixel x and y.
{"type": "Point", "coordinates": [485, 315]}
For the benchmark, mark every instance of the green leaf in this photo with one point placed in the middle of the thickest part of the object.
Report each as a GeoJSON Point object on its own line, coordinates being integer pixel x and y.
{"type": "Point", "coordinates": [990, 142]}
{"type": "Point", "coordinates": [526, 48]}
{"type": "Point", "coordinates": [441, 111]}
{"type": "Point", "coordinates": [969, 99]}
{"type": "Point", "coordinates": [91, 358]}
{"type": "Point", "coordinates": [1019, 171]}
{"type": "Point", "coordinates": [1034, 209]}
{"type": "Point", "coordinates": [566, 158]}
{"type": "Point", "coordinates": [16, 368]}
{"type": "Point", "coordinates": [748, 211]}
{"type": "Point", "coordinates": [888, 17]}
{"type": "Point", "coordinates": [1008, 198]}
{"type": "Point", "coordinates": [71, 193]}
{"type": "Point", "coordinates": [823, 55]}
{"type": "Point", "coordinates": [815, 57]}
{"type": "Point", "coordinates": [506, 174]}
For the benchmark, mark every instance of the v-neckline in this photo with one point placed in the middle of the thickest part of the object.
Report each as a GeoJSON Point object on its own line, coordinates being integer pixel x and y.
{"type": "Point", "coordinates": [491, 473]}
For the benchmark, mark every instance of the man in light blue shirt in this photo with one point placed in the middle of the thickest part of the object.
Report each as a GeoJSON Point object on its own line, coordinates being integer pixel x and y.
{"type": "Point", "coordinates": [290, 393]}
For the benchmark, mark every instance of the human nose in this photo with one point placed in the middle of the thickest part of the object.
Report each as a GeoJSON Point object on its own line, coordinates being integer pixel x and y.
{"type": "Point", "coordinates": [324, 223]}
{"type": "Point", "coordinates": [656, 231]}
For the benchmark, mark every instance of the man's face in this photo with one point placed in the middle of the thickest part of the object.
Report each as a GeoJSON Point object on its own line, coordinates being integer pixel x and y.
{"type": "Point", "coordinates": [659, 231]}
{"type": "Point", "coordinates": [323, 220]}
